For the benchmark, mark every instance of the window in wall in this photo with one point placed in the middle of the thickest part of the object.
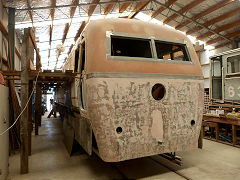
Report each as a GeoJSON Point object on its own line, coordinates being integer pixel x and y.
{"type": "Point", "coordinates": [171, 51]}
{"type": "Point", "coordinates": [131, 47]}
{"type": "Point", "coordinates": [233, 64]}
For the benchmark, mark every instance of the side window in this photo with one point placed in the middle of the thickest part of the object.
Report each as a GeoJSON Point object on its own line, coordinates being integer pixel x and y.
{"type": "Point", "coordinates": [82, 68]}
{"type": "Point", "coordinates": [233, 64]}
{"type": "Point", "coordinates": [171, 51]}
{"type": "Point", "coordinates": [130, 47]}
{"type": "Point", "coordinates": [76, 60]}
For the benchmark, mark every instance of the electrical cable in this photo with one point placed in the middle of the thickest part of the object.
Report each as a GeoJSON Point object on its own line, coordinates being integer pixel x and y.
{"type": "Point", "coordinates": [23, 108]}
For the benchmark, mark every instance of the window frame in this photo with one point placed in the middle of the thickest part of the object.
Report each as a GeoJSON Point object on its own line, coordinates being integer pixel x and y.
{"type": "Point", "coordinates": [227, 64]}
{"type": "Point", "coordinates": [152, 39]}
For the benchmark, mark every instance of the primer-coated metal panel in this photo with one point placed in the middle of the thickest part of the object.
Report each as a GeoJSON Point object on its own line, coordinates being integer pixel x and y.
{"type": "Point", "coordinates": [149, 127]}
{"type": "Point", "coordinates": [4, 139]}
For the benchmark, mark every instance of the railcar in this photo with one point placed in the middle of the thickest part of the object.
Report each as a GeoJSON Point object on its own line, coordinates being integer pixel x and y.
{"type": "Point", "coordinates": [139, 90]}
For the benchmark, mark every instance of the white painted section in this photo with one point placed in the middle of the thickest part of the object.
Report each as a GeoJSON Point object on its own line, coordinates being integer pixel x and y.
{"type": "Point", "coordinates": [4, 139]}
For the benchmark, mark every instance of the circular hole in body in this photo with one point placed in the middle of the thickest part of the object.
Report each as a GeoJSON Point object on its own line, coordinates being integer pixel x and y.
{"type": "Point", "coordinates": [119, 130]}
{"type": "Point", "coordinates": [192, 122]}
{"type": "Point", "coordinates": [158, 91]}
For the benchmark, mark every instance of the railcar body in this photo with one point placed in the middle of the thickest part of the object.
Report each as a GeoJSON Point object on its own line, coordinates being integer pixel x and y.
{"type": "Point", "coordinates": [140, 91]}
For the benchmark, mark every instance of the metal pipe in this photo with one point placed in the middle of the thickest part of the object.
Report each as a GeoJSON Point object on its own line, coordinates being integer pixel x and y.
{"type": "Point", "coordinates": [75, 5]}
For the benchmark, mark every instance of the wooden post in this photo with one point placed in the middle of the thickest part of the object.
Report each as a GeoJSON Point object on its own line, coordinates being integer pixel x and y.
{"type": "Point", "coordinates": [217, 132]}
{"type": "Point", "coordinates": [37, 108]}
{"type": "Point", "coordinates": [200, 139]}
{"type": "Point", "coordinates": [24, 98]}
{"type": "Point", "coordinates": [30, 58]}
{"type": "Point", "coordinates": [30, 119]}
{"type": "Point", "coordinates": [234, 135]}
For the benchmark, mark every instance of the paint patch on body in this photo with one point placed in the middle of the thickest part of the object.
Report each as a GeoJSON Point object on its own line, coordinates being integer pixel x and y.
{"type": "Point", "coordinates": [157, 125]}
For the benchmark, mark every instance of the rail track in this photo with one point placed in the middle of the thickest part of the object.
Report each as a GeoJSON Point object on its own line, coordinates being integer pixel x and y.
{"type": "Point", "coordinates": [125, 176]}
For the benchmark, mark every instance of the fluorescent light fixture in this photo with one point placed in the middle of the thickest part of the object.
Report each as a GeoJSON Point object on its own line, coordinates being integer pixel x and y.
{"type": "Point", "coordinates": [143, 17]}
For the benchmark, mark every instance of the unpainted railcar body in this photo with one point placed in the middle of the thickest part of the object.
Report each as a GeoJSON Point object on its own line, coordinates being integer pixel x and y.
{"type": "Point", "coordinates": [116, 99]}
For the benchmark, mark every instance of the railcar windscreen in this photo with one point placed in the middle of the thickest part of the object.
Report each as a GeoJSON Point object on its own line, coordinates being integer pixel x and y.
{"type": "Point", "coordinates": [233, 64]}
{"type": "Point", "coordinates": [171, 51]}
{"type": "Point", "coordinates": [131, 47]}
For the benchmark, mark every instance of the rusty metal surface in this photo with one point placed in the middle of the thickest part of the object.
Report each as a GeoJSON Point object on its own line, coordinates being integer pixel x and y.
{"type": "Point", "coordinates": [145, 122]}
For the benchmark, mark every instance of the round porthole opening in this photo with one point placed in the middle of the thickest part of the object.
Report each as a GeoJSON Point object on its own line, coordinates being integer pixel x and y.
{"type": "Point", "coordinates": [158, 91]}
{"type": "Point", "coordinates": [119, 130]}
{"type": "Point", "coordinates": [192, 122]}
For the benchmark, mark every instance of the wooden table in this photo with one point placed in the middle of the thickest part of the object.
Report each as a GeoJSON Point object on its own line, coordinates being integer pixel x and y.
{"type": "Point", "coordinates": [214, 120]}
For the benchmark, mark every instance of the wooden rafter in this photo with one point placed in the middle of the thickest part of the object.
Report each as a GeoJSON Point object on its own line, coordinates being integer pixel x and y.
{"type": "Point", "coordinates": [219, 29]}
{"type": "Point", "coordinates": [161, 9]}
{"type": "Point", "coordinates": [215, 20]}
{"type": "Point", "coordinates": [222, 45]}
{"type": "Point", "coordinates": [204, 13]}
{"type": "Point", "coordinates": [109, 7]}
{"type": "Point", "coordinates": [52, 13]}
{"type": "Point", "coordinates": [124, 6]}
{"type": "Point", "coordinates": [30, 12]}
{"type": "Point", "coordinates": [230, 35]}
{"type": "Point", "coordinates": [72, 12]}
{"type": "Point", "coordinates": [90, 12]}
{"type": "Point", "coordinates": [183, 10]}
{"type": "Point", "coordinates": [140, 6]}
{"type": "Point", "coordinates": [3, 30]}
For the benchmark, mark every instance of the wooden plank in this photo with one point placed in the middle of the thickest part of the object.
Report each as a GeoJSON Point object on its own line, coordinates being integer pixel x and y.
{"type": "Point", "coordinates": [223, 120]}
{"type": "Point", "coordinates": [161, 9]}
{"type": "Point", "coordinates": [183, 10]}
{"type": "Point", "coordinates": [204, 13]}
{"type": "Point", "coordinates": [24, 97]}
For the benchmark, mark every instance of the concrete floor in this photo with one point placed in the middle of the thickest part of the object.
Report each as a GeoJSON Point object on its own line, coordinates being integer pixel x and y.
{"type": "Point", "coordinates": [50, 161]}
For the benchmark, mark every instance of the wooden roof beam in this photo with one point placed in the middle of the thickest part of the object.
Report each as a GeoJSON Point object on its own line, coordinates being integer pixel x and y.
{"type": "Point", "coordinates": [220, 29]}
{"type": "Point", "coordinates": [52, 13]}
{"type": "Point", "coordinates": [124, 6]}
{"type": "Point", "coordinates": [84, 23]}
{"type": "Point", "coordinates": [215, 20]}
{"type": "Point", "coordinates": [109, 7]}
{"type": "Point", "coordinates": [183, 10]}
{"type": "Point", "coordinates": [30, 11]}
{"type": "Point", "coordinates": [222, 45]}
{"type": "Point", "coordinates": [161, 9]}
{"type": "Point", "coordinates": [72, 12]}
{"type": "Point", "coordinates": [140, 6]}
{"type": "Point", "coordinates": [206, 12]}
{"type": "Point", "coordinates": [230, 35]}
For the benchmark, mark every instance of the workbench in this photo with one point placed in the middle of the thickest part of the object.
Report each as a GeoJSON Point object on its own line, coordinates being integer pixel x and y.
{"type": "Point", "coordinates": [213, 121]}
